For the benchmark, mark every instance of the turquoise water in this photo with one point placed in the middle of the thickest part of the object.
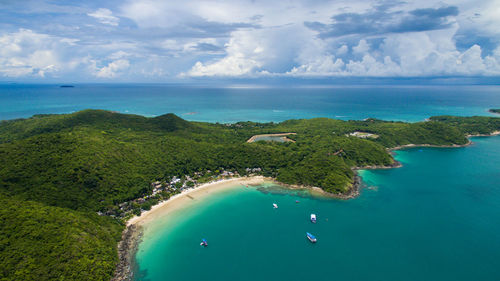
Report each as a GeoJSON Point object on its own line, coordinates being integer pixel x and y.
{"type": "Point", "coordinates": [436, 218]}
{"type": "Point", "coordinates": [407, 103]}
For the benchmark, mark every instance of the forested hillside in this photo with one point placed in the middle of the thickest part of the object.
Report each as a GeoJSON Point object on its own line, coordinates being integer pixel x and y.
{"type": "Point", "coordinates": [59, 171]}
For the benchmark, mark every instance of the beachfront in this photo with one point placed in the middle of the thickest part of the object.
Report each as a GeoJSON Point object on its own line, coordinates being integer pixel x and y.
{"type": "Point", "coordinates": [179, 200]}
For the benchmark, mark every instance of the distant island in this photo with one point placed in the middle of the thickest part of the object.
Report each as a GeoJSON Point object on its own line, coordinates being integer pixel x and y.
{"type": "Point", "coordinates": [69, 183]}
{"type": "Point", "coordinates": [66, 86]}
{"type": "Point", "coordinates": [497, 111]}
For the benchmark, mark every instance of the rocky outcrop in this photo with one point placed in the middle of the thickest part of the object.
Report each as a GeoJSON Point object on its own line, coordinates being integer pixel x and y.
{"type": "Point", "coordinates": [126, 251]}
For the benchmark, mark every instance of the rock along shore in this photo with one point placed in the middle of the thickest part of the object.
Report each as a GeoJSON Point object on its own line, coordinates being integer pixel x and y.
{"type": "Point", "coordinates": [127, 248]}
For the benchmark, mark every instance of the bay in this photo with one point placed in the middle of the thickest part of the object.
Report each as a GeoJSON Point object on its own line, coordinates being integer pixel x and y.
{"type": "Point", "coordinates": [436, 218]}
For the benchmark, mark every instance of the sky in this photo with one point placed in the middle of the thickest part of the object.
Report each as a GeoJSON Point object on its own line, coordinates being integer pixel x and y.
{"type": "Point", "coordinates": [175, 41]}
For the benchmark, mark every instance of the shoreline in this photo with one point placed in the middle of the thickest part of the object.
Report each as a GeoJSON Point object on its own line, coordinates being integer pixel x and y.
{"type": "Point", "coordinates": [353, 191]}
{"type": "Point", "coordinates": [134, 228]}
{"type": "Point", "coordinates": [127, 247]}
{"type": "Point", "coordinates": [173, 203]}
{"type": "Point", "coordinates": [494, 133]}
{"type": "Point", "coordinates": [411, 145]}
{"type": "Point", "coordinates": [132, 234]}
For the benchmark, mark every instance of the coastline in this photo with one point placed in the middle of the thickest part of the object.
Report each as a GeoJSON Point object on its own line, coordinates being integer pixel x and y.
{"type": "Point", "coordinates": [132, 235]}
{"type": "Point", "coordinates": [353, 191]}
{"type": "Point", "coordinates": [494, 133]}
{"type": "Point", "coordinates": [175, 202]}
{"type": "Point", "coordinates": [127, 247]}
{"type": "Point", "coordinates": [411, 145]}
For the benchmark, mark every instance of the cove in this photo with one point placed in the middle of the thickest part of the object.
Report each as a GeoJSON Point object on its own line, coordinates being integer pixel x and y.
{"type": "Point", "coordinates": [435, 218]}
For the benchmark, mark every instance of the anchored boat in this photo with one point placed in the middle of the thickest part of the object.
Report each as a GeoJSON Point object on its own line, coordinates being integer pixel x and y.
{"type": "Point", "coordinates": [311, 237]}
{"type": "Point", "coordinates": [313, 218]}
{"type": "Point", "coordinates": [204, 242]}
{"type": "Point", "coordinates": [275, 205]}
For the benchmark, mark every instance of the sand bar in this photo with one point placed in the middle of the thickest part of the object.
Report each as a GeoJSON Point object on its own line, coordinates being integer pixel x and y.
{"type": "Point", "coordinates": [184, 198]}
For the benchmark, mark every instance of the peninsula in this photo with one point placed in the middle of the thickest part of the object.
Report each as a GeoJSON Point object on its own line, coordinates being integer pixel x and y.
{"type": "Point", "coordinates": [69, 183]}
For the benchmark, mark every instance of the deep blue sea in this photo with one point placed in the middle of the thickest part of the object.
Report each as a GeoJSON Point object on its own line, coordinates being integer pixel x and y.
{"type": "Point", "coordinates": [436, 218]}
{"type": "Point", "coordinates": [406, 103]}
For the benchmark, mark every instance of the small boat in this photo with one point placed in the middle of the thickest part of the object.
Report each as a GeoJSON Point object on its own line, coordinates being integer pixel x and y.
{"type": "Point", "coordinates": [297, 201]}
{"type": "Point", "coordinates": [275, 205]}
{"type": "Point", "coordinates": [204, 242]}
{"type": "Point", "coordinates": [311, 237]}
{"type": "Point", "coordinates": [313, 218]}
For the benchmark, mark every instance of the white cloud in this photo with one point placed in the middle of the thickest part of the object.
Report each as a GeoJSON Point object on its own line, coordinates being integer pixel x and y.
{"type": "Point", "coordinates": [235, 65]}
{"type": "Point", "coordinates": [262, 51]}
{"type": "Point", "coordinates": [428, 53]}
{"type": "Point", "coordinates": [362, 48]}
{"type": "Point", "coordinates": [244, 55]}
{"type": "Point", "coordinates": [322, 66]}
{"type": "Point", "coordinates": [25, 52]}
{"type": "Point", "coordinates": [342, 50]}
{"type": "Point", "coordinates": [113, 69]}
{"type": "Point", "coordinates": [118, 55]}
{"type": "Point", "coordinates": [105, 16]}
{"type": "Point", "coordinates": [156, 39]}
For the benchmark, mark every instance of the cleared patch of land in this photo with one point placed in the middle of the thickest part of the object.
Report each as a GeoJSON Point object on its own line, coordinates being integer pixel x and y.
{"type": "Point", "coordinates": [363, 135]}
{"type": "Point", "coordinates": [269, 137]}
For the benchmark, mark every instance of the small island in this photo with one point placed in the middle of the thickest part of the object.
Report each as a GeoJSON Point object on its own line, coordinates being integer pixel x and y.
{"type": "Point", "coordinates": [495, 110]}
{"type": "Point", "coordinates": [80, 177]}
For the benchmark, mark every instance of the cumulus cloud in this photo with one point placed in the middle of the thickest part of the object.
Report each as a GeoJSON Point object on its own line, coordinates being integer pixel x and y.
{"type": "Point", "coordinates": [112, 69]}
{"type": "Point", "coordinates": [243, 56]}
{"type": "Point", "coordinates": [322, 66]}
{"type": "Point", "coordinates": [26, 53]}
{"type": "Point", "coordinates": [362, 48]}
{"type": "Point", "coordinates": [386, 41]}
{"type": "Point", "coordinates": [105, 16]}
{"type": "Point", "coordinates": [155, 39]}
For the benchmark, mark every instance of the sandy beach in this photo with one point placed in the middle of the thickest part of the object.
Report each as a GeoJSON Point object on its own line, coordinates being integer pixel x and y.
{"type": "Point", "coordinates": [132, 235]}
{"type": "Point", "coordinates": [179, 200]}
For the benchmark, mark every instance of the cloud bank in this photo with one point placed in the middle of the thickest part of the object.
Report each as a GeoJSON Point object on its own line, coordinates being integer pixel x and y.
{"type": "Point", "coordinates": [154, 40]}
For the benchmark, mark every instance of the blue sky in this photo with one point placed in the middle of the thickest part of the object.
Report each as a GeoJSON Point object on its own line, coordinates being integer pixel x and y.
{"type": "Point", "coordinates": [168, 41]}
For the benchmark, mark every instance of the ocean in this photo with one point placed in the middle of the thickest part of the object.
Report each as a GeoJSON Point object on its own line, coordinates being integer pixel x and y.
{"type": "Point", "coordinates": [232, 104]}
{"type": "Point", "coordinates": [436, 218]}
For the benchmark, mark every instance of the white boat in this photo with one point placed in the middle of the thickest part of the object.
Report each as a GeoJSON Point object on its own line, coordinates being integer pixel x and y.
{"type": "Point", "coordinates": [311, 237]}
{"type": "Point", "coordinates": [204, 242]}
{"type": "Point", "coordinates": [275, 205]}
{"type": "Point", "coordinates": [313, 218]}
